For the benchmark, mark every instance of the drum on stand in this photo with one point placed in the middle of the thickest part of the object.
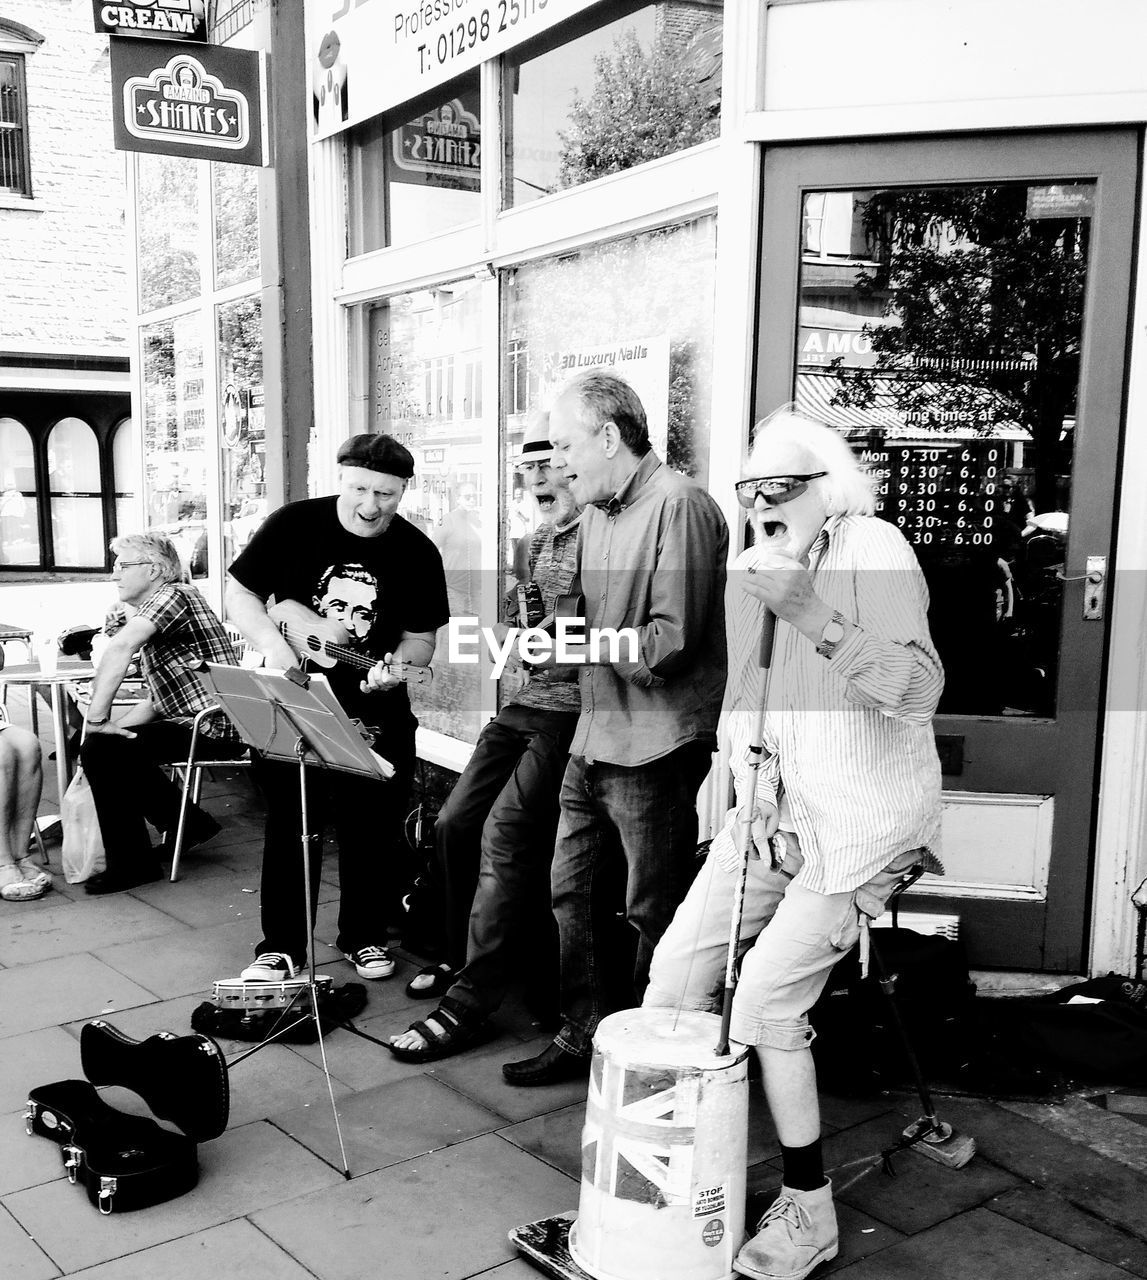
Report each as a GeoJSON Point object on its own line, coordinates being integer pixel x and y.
{"type": "Point", "coordinates": [663, 1150]}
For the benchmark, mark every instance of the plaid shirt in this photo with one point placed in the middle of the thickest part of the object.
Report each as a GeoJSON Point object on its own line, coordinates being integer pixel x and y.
{"type": "Point", "coordinates": [187, 634]}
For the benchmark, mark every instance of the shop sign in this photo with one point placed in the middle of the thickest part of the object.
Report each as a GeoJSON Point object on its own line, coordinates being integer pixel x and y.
{"type": "Point", "coordinates": [365, 57]}
{"type": "Point", "coordinates": [1065, 200]}
{"type": "Point", "coordinates": [168, 19]}
{"type": "Point", "coordinates": [642, 362]}
{"type": "Point", "coordinates": [441, 148]}
{"type": "Point", "coordinates": [839, 348]}
{"type": "Point", "coordinates": [209, 106]}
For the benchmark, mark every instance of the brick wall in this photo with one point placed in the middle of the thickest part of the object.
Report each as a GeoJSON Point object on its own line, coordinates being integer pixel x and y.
{"type": "Point", "coordinates": [63, 266]}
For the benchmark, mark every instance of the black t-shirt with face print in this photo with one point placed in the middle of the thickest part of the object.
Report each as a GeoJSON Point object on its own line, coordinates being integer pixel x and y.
{"type": "Point", "coordinates": [377, 588]}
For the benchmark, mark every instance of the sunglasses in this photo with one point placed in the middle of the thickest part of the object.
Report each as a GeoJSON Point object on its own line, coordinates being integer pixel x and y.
{"type": "Point", "coordinates": [774, 489]}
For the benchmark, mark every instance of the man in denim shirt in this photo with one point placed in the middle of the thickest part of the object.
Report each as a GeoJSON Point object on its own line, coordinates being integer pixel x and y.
{"type": "Point", "coordinates": [651, 557]}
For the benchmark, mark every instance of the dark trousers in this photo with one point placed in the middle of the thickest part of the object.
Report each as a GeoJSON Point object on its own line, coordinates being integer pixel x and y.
{"type": "Point", "coordinates": [495, 843]}
{"type": "Point", "coordinates": [130, 789]}
{"type": "Point", "coordinates": [644, 818]}
{"type": "Point", "coordinates": [367, 817]}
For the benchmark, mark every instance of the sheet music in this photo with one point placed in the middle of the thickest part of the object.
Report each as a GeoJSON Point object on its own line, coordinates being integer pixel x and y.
{"type": "Point", "coordinates": [270, 712]}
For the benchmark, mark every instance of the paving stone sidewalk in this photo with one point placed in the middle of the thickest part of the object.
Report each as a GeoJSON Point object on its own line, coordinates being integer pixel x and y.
{"type": "Point", "coordinates": [446, 1158]}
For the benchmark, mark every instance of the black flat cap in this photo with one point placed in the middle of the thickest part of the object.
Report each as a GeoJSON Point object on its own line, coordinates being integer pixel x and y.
{"type": "Point", "coordinates": [377, 453]}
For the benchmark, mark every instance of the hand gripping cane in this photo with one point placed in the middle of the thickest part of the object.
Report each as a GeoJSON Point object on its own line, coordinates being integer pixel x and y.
{"type": "Point", "coordinates": [756, 751]}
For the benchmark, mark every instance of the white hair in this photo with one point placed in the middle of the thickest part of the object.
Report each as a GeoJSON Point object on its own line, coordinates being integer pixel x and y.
{"type": "Point", "coordinates": [847, 490]}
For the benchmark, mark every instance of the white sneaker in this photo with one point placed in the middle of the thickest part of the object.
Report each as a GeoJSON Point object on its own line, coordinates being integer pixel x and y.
{"type": "Point", "coordinates": [797, 1234]}
{"type": "Point", "coordinates": [371, 962]}
{"type": "Point", "coordinates": [271, 966]}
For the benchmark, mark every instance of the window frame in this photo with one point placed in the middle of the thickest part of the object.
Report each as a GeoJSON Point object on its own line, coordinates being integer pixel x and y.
{"type": "Point", "coordinates": [19, 128]}
{"type": "Point", "coordinates": [16, 43]}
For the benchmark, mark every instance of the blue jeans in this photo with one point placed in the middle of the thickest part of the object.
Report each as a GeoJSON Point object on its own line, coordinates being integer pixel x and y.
{"type": "Point", "coordinates": [638, 825]}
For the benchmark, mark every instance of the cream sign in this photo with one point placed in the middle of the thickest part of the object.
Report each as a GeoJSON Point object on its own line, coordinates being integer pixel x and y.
{"type": "Point", "coordinates": [366, 56]}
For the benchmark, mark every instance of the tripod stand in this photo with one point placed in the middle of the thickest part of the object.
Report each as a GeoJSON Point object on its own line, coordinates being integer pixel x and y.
{"type": "Point", "coordinates": [292, 717]}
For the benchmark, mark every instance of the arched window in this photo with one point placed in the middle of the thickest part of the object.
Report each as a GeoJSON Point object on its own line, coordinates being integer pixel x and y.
{"type": "Point", "coordinates": [19, 510]}
{"type": "Point", "coordinates": [74, 502]}
{"type": "Point", "coordinates": [128, 518]}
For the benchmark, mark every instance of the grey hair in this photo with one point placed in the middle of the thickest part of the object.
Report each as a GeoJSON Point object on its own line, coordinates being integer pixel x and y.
{"type": "Point", "coordinates": [847, 490]}
{"type": "Point", "coordinates": [154, 547]}
{"type": "Point", "coordinates": [604, 397]}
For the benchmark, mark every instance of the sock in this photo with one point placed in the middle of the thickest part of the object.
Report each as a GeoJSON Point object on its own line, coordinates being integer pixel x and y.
{"type": "Point", "coordinates": [803, 1167]}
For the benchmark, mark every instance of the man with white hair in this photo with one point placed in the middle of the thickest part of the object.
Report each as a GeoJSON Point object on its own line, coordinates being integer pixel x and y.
{"type": "Point", "coordinates": [172, 627]}
{"type": "Point", "coordinates": [847, 798]}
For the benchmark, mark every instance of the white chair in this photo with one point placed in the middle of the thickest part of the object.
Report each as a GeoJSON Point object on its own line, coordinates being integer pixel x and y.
{"type": "Point", "coordinates": [194, 767]}
{"type": "Point", "coordinates": [37, 838]}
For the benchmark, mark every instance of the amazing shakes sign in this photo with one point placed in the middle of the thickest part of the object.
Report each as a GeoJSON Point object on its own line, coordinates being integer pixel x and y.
{"type": "Point", "coordinates": [208, 105]}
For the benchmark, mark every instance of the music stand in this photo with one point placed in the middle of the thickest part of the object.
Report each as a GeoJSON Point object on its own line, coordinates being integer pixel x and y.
{"type": "Point", "coordinates": [292, 717]}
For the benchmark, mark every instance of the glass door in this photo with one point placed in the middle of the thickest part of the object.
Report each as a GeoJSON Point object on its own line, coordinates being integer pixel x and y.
{"type": "Point", "coordinates": [958, 309]}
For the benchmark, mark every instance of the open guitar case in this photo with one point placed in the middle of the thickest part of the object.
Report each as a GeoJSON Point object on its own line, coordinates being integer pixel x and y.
{"type": "Point", "coordinates": [126, 1161]}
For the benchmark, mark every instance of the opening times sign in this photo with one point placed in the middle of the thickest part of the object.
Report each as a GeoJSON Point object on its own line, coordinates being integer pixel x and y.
{"type": "Point", "coordinates": [365, 57]}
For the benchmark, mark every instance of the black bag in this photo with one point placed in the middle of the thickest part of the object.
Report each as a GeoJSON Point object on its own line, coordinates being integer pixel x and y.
{"type": "Point", "coordinates": [858, 1048]}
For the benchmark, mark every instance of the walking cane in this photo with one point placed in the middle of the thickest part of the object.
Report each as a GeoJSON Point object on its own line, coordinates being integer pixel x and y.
{"type": "Point", "coordinates": [756, 752]}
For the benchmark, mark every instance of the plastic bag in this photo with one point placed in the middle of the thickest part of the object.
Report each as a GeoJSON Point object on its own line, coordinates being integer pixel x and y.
{"type": "Point", "coordinates": [83, 847]}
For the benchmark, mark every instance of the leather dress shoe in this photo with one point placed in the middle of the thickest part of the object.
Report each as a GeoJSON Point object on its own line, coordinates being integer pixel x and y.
{"type": "Point", "coordinates": [118, 881]}
{"type": "Point", "coordinates": [553, 1065]}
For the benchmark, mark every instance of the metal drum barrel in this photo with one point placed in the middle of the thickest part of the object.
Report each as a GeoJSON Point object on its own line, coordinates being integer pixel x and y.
{"type": "Point", "coordinates": [663, 1150]}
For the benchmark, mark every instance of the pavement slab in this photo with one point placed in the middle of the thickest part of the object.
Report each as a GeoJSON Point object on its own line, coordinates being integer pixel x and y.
{"type": "Point", "coordinates": [204, 895]}
{"type": "Point", "coordinates": [478, 1075]}
{"type": "Point", "coordinates": [25, 1160]}
{"type": "Point", "coordinates": [444, 1215]}
{"type": "Point", "coordinates": [232, 1249]}
{"type": "Point", "coordinates": [35, 1058]}
{"type": "Point", "coordinates": [49, 992]}
{"type": "Point", "coordinates": [387, 1124]}
{"type": "Point", "coordinates": [189, 960]}
{"type": "Point", "coordinates": [23, 1257]}
{"type": "Point", "coordinates": [58, 927]}
{"type": "Point", "coordinates": [245, 1170]}
{"type": "Point", "coordinates": [984, 1245]}
{"type": "Point", "coordinates": [1052, 1215]}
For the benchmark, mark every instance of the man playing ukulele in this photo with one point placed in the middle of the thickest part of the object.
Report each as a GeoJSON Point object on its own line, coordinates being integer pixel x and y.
{"type": "Point", "coordinates": [318, 553]}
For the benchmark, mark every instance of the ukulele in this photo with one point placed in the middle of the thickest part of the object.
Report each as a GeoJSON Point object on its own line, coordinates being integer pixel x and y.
{"type": "Point", "coordinates": [324, 643]}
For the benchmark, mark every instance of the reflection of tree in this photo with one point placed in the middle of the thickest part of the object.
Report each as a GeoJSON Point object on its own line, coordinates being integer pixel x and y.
{"type": "Point", "coordinates": [168, 231]}
{"type": "Point", "coordinates": [241, 342]}
{"type": "Point", "coordinates": [236, 193]}
{"type": "Point", "coordinates": [660, 283]}
{"type": "Point", "coordinates": [986, 310]}
{"type": "Point", "coordinates": [644, 105]}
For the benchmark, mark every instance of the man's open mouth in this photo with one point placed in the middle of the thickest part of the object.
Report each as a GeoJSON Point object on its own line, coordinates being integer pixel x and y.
{"type": "Point", "coordinates": [774, 528]}
{"type": "Point", "coordinates": [545, 501]}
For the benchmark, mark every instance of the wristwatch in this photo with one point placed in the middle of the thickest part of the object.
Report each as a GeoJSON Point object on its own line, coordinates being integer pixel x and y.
{"type": "Point", "coordinates": [832, 635]}
{"type": "Point", "coordinates": [96, 721]}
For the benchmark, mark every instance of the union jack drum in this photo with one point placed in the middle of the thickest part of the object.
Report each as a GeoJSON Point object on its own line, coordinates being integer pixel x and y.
{"type": "Point", "coordinates": [663, 1150]}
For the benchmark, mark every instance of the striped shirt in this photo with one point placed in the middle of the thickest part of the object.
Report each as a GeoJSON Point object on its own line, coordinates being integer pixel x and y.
{"type": "Point", "coordinates": [850, 755]}
{"type": "Point", "coordinates": [187, 634]}
{"type": "Point", "coordinates": [553, 566]}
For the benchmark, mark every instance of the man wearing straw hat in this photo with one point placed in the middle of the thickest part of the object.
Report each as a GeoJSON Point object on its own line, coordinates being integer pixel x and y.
{"type": "Point", "coordinates": [846, 802]}
{"type": "Point", "coordinates": [499, 822]}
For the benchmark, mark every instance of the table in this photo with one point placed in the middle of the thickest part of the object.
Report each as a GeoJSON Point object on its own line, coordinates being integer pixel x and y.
{"type": "Point", "coordinates": [29, 676]}
{"type": "Point", "coordinates": [9, 631]}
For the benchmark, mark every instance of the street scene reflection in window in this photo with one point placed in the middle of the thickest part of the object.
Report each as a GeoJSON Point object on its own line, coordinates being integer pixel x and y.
{"type": "Point", "coordinates": [940, 330]}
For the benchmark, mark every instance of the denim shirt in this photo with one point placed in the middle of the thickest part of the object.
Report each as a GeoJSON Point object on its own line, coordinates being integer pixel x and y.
{"type": "Point", "coordinates": [653, 558]}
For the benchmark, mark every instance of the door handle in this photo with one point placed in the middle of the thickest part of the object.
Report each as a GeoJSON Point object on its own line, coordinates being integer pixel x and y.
{"type": "Point", "coordinates": [1095, 589]}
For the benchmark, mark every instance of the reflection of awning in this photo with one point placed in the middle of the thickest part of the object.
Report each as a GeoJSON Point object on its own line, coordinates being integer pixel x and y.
{"type": "Point", "coordinates": [814, 395]}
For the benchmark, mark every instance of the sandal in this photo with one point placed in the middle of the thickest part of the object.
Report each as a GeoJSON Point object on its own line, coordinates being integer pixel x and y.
{"type": "Point", "coordinates": [441, 980]}
{"type": "Point", "coordinates": [14, 888]}
{"type": "Point", "coordinates": [34, 874]}
{"type": "Point", "coordinates": [456, 1036]}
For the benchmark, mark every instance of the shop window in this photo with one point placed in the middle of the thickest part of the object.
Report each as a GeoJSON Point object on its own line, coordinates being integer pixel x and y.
{"type": "Point", "coordinates": [127, 517]}
{"type": "Point", "coordinates": [644, 85]}
{"type": "Point", "coordinates": [641, 307]}
{"type": "Point", "coordinates": [174, 437]}
{"type": "Point", "coordinates": [417, 340]}
{"type": "Point", "coordinates": [167, 234]}
{"type": "Point", "coordinates": [15, 163]}
{"type": "Point", "coordinates": [235, 198]}
{"type": "Point", "coordinates": [240, 353]}
{"type": "Point", "coordinates": [19, 508]}
{"type": "Point", "coordinates": [417, 174]}
{"type": "Point", "coordinates": [74, 503]}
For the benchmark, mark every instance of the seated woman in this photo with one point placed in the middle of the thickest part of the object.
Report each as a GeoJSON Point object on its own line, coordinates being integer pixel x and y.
{"type": "Point", "coordinates": [20, 781]}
